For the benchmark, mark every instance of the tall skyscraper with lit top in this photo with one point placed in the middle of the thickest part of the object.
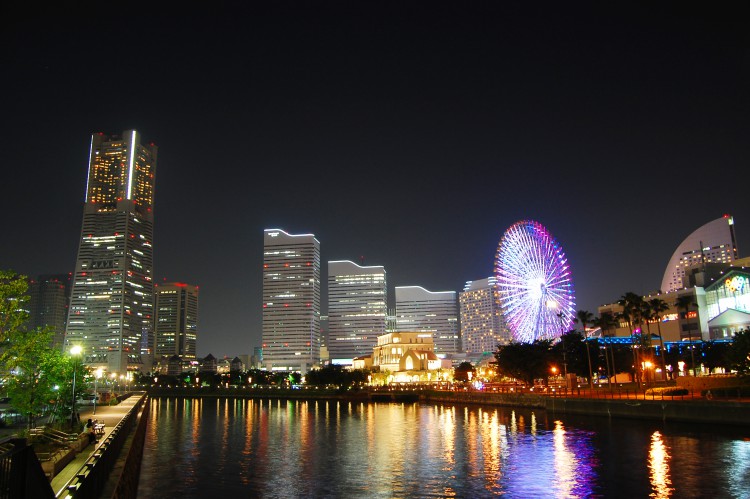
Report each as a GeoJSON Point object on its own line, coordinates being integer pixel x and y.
{"type": "Point", "coordinates": [291, 301]}
{"type": "Point", "coordinates": [111, 306]}
{"type": "Point", "coordinates": [356, 309]}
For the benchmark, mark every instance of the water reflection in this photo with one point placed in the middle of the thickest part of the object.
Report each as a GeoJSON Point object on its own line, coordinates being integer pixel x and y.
{"type": "Point", "coordinates": [658, 463]}
{"type": "Point", "coordinates": [262, 448]}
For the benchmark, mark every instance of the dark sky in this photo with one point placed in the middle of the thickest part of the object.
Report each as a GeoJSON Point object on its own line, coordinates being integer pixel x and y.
{"type": "Point", "coordinates": [411, 133]}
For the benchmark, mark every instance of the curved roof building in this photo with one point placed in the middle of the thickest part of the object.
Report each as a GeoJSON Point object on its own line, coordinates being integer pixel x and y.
{"type": "Point", "coordinates": [714, 242]}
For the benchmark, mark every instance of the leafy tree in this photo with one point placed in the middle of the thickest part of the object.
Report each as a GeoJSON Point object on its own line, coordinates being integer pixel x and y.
{"type": "Point", "coordinates": [13, 300]}
{"type": "Point", "coordinates": [38, 374]}
{"type": "Point", "coordinates": [714, 354]}
{"type": "Point", "coordinates": [738, 355]}
{"type": "Point", "coordinates": [461, 373]}
{"type": "Point", "coordinates": [525, 361]}
{"type": "Point", "coordinates": [335, 374]}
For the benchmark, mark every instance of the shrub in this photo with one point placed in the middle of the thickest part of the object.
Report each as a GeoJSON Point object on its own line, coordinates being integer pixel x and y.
{"type": "Point", "coordinates": [667, 391]}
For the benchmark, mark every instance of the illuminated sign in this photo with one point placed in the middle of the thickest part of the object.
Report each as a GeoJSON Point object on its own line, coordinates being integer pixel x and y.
{"type": "Point", "coordinates": [736, 283]}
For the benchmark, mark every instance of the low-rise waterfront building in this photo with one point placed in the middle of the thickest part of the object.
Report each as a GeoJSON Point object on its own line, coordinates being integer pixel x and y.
{"type": "Point", "coordinates": [407, 356]}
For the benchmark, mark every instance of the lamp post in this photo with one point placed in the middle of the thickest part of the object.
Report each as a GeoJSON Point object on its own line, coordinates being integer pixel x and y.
{"type": "Point", "coordinates": [97, 375]}
{"type": "Point", "coordinates": [74, 352]}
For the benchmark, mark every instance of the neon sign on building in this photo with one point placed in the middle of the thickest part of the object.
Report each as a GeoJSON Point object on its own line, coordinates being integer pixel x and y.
{"type": "Point", "coordinates": [736, 284]}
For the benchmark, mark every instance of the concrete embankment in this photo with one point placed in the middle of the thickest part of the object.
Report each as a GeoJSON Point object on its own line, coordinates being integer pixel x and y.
{"type": "Point", "coordinates": [702, 411]}
{"type": "Point", "coordinates": [699, 411]}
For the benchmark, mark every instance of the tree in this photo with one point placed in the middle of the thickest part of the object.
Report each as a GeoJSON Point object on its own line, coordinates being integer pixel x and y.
{"type": "Point", "coordinates": [586, 317]}
{"type": "Point", "coordinates": [714, 354]}
{"type": "Point", "coordinates": [633, 311]}
{"type": "Point", "coordinates": [657, 307]}
{"type": "Point", "coordinates": [738, 355]}
{"type": "Point", "coordinates": [607, 322]}
{"type": "Point", "coordinates": [570, 349]}
{"type": "Point", "coordinates": [461, 373]}
{"type": "Point", "coordinates": [524, 361]}
{"type": "Point", "coordinates": [13, 299]}
{"type": "Point", "coordinates": [38, 374]}
{"type": "Point", "coordinates": [685, 302]}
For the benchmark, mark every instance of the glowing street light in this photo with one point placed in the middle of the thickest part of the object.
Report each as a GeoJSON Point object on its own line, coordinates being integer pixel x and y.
{"type": "Point", "coordinates": [75, 351]}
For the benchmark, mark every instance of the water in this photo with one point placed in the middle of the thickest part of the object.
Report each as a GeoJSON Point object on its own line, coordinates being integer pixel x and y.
{"type": "Point", "coordinates": [294, 449]}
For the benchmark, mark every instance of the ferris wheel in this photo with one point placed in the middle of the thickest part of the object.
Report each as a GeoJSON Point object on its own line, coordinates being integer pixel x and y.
{"type": "Point", "coordinates": [534, 283]}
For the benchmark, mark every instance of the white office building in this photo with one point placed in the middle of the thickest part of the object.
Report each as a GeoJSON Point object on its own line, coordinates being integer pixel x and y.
{"type": "Point", "coordinates": [482, 325]}
{"type": "Point", "coordinates": [356, 309]}
{"type": "Point", "coordinates": [420, 310]}
{"type": "Point", "coordinates": [291, 301]}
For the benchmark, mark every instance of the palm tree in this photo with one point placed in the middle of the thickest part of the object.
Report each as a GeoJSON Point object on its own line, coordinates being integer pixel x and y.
{"type": "Point", "coordinates": [632, 305]}
{"type": "Point", "coordinates": [608, 322]}
{"type": "Point", "coordinates": [586, 317]}
{"type": "Point", "coordinates": [684, 303]}
{"type": "Point", "coordinates": [657, 306]}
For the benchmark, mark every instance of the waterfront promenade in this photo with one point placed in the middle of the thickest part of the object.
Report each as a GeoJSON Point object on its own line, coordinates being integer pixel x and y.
{"type": "Point", "coordinates": [110, 416]}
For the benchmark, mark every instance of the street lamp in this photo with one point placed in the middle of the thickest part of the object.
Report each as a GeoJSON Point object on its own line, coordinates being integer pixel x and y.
{"type": "Point", "coordinates": [97, 375]}
{"type": "Point", "coordinates": [74, 352]}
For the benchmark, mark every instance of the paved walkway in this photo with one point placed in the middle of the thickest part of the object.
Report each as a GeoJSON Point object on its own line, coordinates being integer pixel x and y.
{"type": "Point", "coordinates": [110, 416]}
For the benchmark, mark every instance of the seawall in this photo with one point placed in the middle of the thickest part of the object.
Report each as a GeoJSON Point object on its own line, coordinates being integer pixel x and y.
{"type": "Point", "coordinates": [699, 411]}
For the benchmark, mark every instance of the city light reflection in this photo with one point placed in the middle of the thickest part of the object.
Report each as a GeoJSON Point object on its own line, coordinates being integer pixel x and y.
{"type": "Point", "coordinates": [658, 464]}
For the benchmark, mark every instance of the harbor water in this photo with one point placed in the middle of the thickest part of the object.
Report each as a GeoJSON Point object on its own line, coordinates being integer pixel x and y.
{"type": "Point", "coordinates": [196, 448]}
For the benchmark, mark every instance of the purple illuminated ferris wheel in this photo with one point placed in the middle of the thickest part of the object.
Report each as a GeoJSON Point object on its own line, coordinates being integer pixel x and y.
{"type": "Point", "coordinates": [534, 283]}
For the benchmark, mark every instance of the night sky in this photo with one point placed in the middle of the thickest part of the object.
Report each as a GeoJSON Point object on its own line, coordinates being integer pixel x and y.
{"type": "Point", "coordinates": [412, 134]}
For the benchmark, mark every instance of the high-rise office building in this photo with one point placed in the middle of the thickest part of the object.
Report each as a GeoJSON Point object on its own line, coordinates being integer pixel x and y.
{"type": "Point", "coordinates": [420, 310]}
{"type": "Point", "coordinates": [712, 243]}
{"type": "Point", "coordinates": [111, 306]}
{"type": "Point", "coordinates": [48, 304]}
{"type": "Point", "coordinates": [356, 309]}
{"type": "Point", "coordinates": [482, 325]}
{"type": "Point", "coordinates": [291, 301]}
{"type": "Point", "coordinates": [176, 324]}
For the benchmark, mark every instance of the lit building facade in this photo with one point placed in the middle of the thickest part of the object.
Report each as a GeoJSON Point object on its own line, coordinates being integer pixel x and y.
{"type": "Point", "coordinates": [713, 243]}
{"type": "Point", "coordinates": [111, 306]}
{"type": "Point", "coordinates": [405, 351]}
{"type": "Point", "coordinates": [356, 309]}
{"type": "Point", "coordinates": [176, 324]}
{"type": "Point", "coordinates": [482, 327]}
{"type": "Point", "coordinates": [418, 309]}
{"type": "Point", "coordinates": [675, 324]}
{"type": "Point", "coordinates": [48, 304]}
{"type": "Point", "coordinates": [728, 304]}
{"type": "Point", "coordinates": [291, 301]}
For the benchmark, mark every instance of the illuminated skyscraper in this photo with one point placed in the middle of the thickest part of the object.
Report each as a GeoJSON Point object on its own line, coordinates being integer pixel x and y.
{"type": "Point", "coordinates": [711, 243]}
{"type": "Point", "coordinates": [419, 310]}
{"type": "Point", "coordinates": [482, 327]}
{"type": "Point", "coordinates": [111, 304]}
{"type": "Point", "coordinates": [356, 309]}
{"type": "Point", "coordinates": [291, 301]}
{"type": "Point", "coordinates": [176, 324]}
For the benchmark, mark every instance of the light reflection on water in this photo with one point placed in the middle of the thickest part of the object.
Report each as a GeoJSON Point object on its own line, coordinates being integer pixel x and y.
{"type": "Point", "coordinates": [289, 449]}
